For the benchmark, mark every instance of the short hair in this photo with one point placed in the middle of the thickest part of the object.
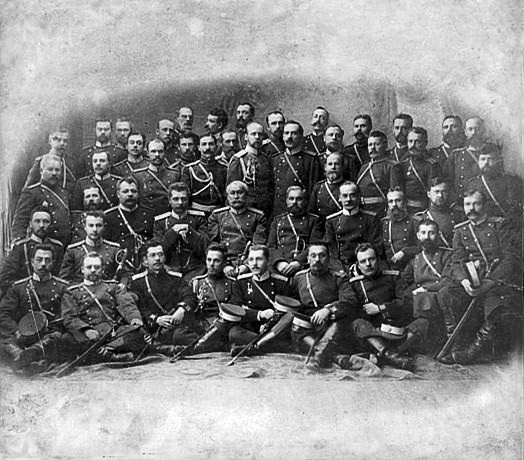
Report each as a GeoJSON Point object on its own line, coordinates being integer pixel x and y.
{"type": "Point", "coordinates": [419, 130]}
{"type": "Point", "coordinates": [186, 136]}
{"type": "Point", "coordinates": [237, 183]}
{"type": "Point", "coordinates": [251, 107]}
{"type": "Point", "coordinates": [260, 247]}
{"type": "Point", "coordinates": [99, 153]}
{"type": "Point", "coordinates": [40, 209]}
{"type": "Point", "coordinates": [152, 243]}
{"type": "Point", "coordinates": [404, 116]}
{"type": "Point", "coordinates": [104, 120]}
{"type": "Point", "coordinates": [47, 158]}
{"type": "Point", "coordinates": [158, 141]}
{"type": "Point", "coordinates": [221, 115]}
{"type": "Point", "coordinates": [294, 188]}
{"type": "Point", "coordinates": [124, 120]}
{"type": "Point", "coordinates": [185, 107]}
{"type": "Point", "coordinates": [178, 187]}
{"type": "Point", "coordinates": [254, 123]}
{"type": "Point", "coordinates": [350, 183]}
{"type": "Point", "coordinates": [59, 129]}
{"type": "Point", "coordinates": [364, 116]}
{"type": "Point", "coordinates": [275, 112]}
{"type": "Point", "coordinates": [94, 255]}
{"type": "Point", "coordinates": [163, 119]}
{"type": "Point", "coordinates": [95, 213]}
{"type": "Point", "coordinates": [218, 248]}
{"type": "Point", "coordinates": [433, 182]}
{"type": "Point", "coordinates": [137, 133]}
{"type": "Point", "coordinates": [227, 131]}
{"type": "Point", "coordinates": [454, 117]}
{"type": "Point", "coordinates": [471, 191]}
{"type": "Point", "coordinates": [363, 247]}
{"type": "Point", "coordinates": [318, 243]}
{"type": "Point", "coordinates": [319, 107]}
{"type": "Point", "coordinates": [127, 180]}
{"type": "Point", "coordinates": [379, 134]}
{"type": "Point", "coordinates": [427, 221]}
{"type": "Point", "coordinates": [338, 154]}
{"type": "Point", "coordinates": [334, 125]}
{"type": "Point", "coordinates": [89, 187]}
{"type": "Point", "coordinates": [294, 122]}
{"type": "Point", "coordinates": [395, 190]}
{"type": "Point", "coordinates": [44, 247]}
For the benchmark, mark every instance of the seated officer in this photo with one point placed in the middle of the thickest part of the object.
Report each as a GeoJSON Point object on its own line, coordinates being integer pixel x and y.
{"type": "Point", "coordinates": [166, 302]}
{"type": "Point", "coordinates": [34, 300]}
{"type": "Point", "coordinates": [94, 308]}
{"type": "Point", "coordinates": [326, 300]}
{"type": "Point", "coordinates": [385, 315]}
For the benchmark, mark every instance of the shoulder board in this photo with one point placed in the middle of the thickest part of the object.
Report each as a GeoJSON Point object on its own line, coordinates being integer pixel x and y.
{"type": "Point", "coordinates": [85, 178]}
{"type": "Point", "coordinates": [338, 274]}
{"type": "Point", "coordinates": [334, 215]}
{"type": "Point", "coordinates": [265, 141]}
{"type": "Point", "coordinates": [244, 276]}
{"type": "Point", "coordinates": [76, 245]}
{"type": "Point", "coordinates": [110, 281]}
{"type": "Point", "coordinates": [452, 205]}
{"type": "Point", "coordinates": [313, 215]}
{"type": "Point", "coordinates": [22, 241]}
{"type": "Point", "coordinates": [23, 280]}
{"type": "Point", "coordinates": [194, 163]}
{"type": "Point", "coordinates": [279, 216]}
{"type": "Point", "coordinates": [257, 211]}
{"type": "Point", "coordinates": [310, 153]}
{"type": "Point", "coordinates": [302, 272]}
{"type": "Point", "coordinates": [391, 272]}
{"type": "Point", "coordinates": [420, 214]}
{"type": "Point", "coordinates": [385, 219]}
{"type": "Point", "coordinates": [174, 273]}
{"type": "Point", "coordinates": [58, 243]}
{"type": "Point", "coordinates": [230, 278]}
{"type": "Point", "coordinates": [121, 162]}
{"type": "Point", "coordinates": [61, 280]}
{"type": "Point", "coordinates": [199, 277]}
{"type": "Point", "coordinates": [459, 149]}
{"type": "Point", "coordinates": [443, 248]}
{"type": "Point", "coordinates": [111, 243]}
{"type": "Point", "coordinates": [194, 212]}
{"type": "Point", "coordinates": [496, 219]}
{"type": "Point", "coordinates": [356, 278]}
{"type": "Point", "coordinates": [74, 286]}
{"type": "Point", "coordinates": [240, 154]}
{"type": "Point", "coordinates": [431, 160]}
{"type": "Point", "coordinates": [162, 216]}
{"type": "Point", "coordinates": [33, 186]}
{"type": "Point", "coordinates": [278, 277]}
{"type": "Point", "coordinates": [225, 208]}
{"type": "Point", "coordinates": [462, 224]}
{"type": "Point", "coordinates": [114, 208]}
{"type": "Point", "coordinates": [114, 176]}
{"type": "Point", "coordinates": [391, 161]}
{"type": "Point", "coordinates": [369, 213]}
{"type": "Point", "coordinates": [320, 182]}
{"type": "Point", "coordinates": [141, 169]}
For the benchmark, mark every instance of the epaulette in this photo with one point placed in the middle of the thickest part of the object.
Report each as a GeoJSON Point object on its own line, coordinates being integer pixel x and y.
{"type": "Point", "coordinates": [281, 215]}
{"type": "Point", "coordinates": [419, 215]}
{"type": "Point", "coordinates": [338, 274]}
{"type": "Point", "coordinates": [22, 241]}
{"type": "Point", "coordinates": [61, 280]}
{"type": "Point", "coordinates": [314, 215]}
{"type": "Point", "coordinates": [391, 272]}
{"type": "Point", "coordinates": [194, 212]}
{"type": "Point", "coordinates": [115, 176]}
{"type": "Point", "coordinates": [279, 277]}
{"type": "Point", "coordinates": [256, 211]}
{"type": "Point", "coordinates": [110, 281]}
{"type": "Point", "coordinates": [385, 219]}
{"type": "Point", "coordinates": [356, 278]}
{"type": "Point", "coordinates": [141, 169]}
{"type": "Point", "coordinates": [194, 163]}
{"type": "Point", "coordinates": [310, 153]}
{"type": "Point", "coordinates": [139, 275]}
{"type": "Point", "coordinates": [85, 178]}
{"type": "Point", "coordinates": [121, 162]}
{"type": "Point", "coordinates": [444, 248]}
{"type": "Point", "coordinates": [111, 243]}
{"type": "Point", "coordinates": [76, 245]}
{"type": "Point", "coordinates": [244, 276]}
{"type": "Point", "coordinates": [225, 208]}
{"type": "Point", "coordinates": [369, 213]}
{"type": "Point", "coordinates": [302, 272]}
{"type": "Point", "coordinates": [496, 219]}
{"type": "Point", "coordinates": [266, 141]}
{"type": "Point", "coordinates": [23, 280]}
{"type": "Point", "coordinates": [462, 224]}
{"type": "Point", "coordinates": [162, 216]}
{"type": "Point", "coordinates": [33, 186]}
{"type": "Point", "coordinates": [174, 273]}
{"type": "Point", "coordinates": [57, 242]}
{"type": "Point", "coordinates": [74, 286]}
{"type": "Point", "coordinates": [458, 149]}
{"type": "Point", "coordinates": [338, 213]}
{"type": "Point", "coordinates": [240, 154]}
{"type": "Point", "coordinates": [114, 208]}
{"type": "Point", "coordinates": [230, 278]}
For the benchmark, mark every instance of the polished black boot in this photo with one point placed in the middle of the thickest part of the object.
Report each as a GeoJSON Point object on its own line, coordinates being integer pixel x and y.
{"type": "Point", "coordinates": [167, 350]}
{"type": "Point", "coordinates": [325, 348]}
{"type": "Point", "coordinates": [397, 360]}
{"type": "Point", "coordinates": [470, 353]}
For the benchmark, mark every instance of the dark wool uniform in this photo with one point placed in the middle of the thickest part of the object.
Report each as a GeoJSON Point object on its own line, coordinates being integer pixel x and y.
{"type": "Point", "coordinates": [171, 153]}
{"type": "Point", "coordinates": [158, 295]}
{"type": "Point", "coordinates": [154, 187]}
{"type": "Point", "coordinates": [84, 165]}
{"type": "Point", "coordinates": [207, 184]}
{"type": "Point", "coordinates": [125, 168]}
{"type": "Point", "coordinates": [81, 311]}
{"type": "Point", "coordinates": [236, 228]}
{"type": "Point", "coordinates": [72, 264]}
{"type": "Point", "coordinates": [349, 168]}
{"type": "Point", "coordinates": [440, 154]}
{"type": "Point", "coordinates": [271, 147]}
{"type": "Point", "coordinates": [106, 185]}
{"type": "Point", "coordinates": [300, 167]}
{"type": "Point", "coordinates": [399, 233]}
{"type": "Point", "coordinates": [55, 199]}
{"type": "Point", "coordinates": [130, 229]}
{"type": "Point", "coordinates": [375, 179]}
{"type": "Point", "coordinates": [446, 218]}
{"type": "Point", "coordinates": [460, 167]}
{"type": "Point", "coordinates": [68, 179]}
{"type": "Point", "coordinates": [315, 144]}
{"type": "Point", "coordinates": [359, 154]}
{"type": "Point", "coordinates": [183, 256]}
{"type": "Point", "coordinates": [418, 172]}
{"type": "Point", "coordinates": [397, 154]}
{"type": "Point", "coordinates": [241, 137]}
{"type": "Point", "coordinates": [255, 170]}
{"type": "Point", "coordinates": [78, 232]}
{"type": "Point", "coordinates": [316, 291]}
{"type": "Point", "coordinates": [324, 198]}
{"type": "Point", "coordinates": [17, 264]}
{"type": "Point", "coordinates": [345, 230]}
{"type": "Point", "coordinates": [290, 234]}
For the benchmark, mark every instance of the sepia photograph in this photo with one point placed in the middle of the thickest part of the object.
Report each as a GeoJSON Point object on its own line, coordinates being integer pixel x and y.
{"type": "Point", "coordinates": [246, 229]}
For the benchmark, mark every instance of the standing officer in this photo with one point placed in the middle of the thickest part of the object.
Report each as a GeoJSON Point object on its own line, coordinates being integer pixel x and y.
{"type": "Point", "coordinates": [294, 166]}
{"type": "Point", "coordinates": [184, 123]}
{"type": "Point", "coordinates": [206, 178]}
{"type": "Point", "coordinates": [92, 201]}
{"type": "Point", "coordinates": [156, 178]}
{"type": "Point", "coordinates": [254, 168]}
{"type": "Point", "coordinates": [135, 156]}
{"type": "Point", "coordinates": [245, 114]}
{"type": "Point", "coordinates": [165, 131]}
{"type": "Point", "coordinates": [237, 226]}
{"type": "Point", "coordinates": [314, 142]}
{"type": "Point", "coordinates": [229, 146]}
{"type": "Point", "coordinates": [378, 175]}
{"type": "Point", "coordinates": [216, 123]}
{"type": "Point", "coordinates": [326, 301]}
{"type": "Point", "coordinates": [101, 179]}
{"type": "Point", "coordinates": [103, 129]}
{"type": "Point", "coordinates": [47, 193]}
{"type": "Point", "coordinates": [291, 232]}
{"type": "Point", "coordinates": [418, 170]}
{"type": "Point", "coordinates": [274, 144]}
{"type": "Point", "coordinates": [358, 151]}
{"type": "Point", "coordinates": [333, 139]}
{"type": "Point", "coordinates": [33, 301]}
{"type": "Point", "coordinates": [94, 307]}
{"type": "Point", "coordinates": [324, 196]}
{"type": "Point", "coordinates": [346, 229]}
{"type": "Point", "coordinates": [122, 130]}
{"type": "Point", "coordinates": [17, 264]}
{"type": "Point", "coordinates": [452, 138]}
{"type": "Point", "coordinates": [402, 124]}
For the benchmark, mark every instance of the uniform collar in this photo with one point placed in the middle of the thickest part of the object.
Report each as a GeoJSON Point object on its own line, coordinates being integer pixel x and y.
{"type": "Point", "coordinates": [400, 147]}
{"type": "Point", "coordinates": [98, 177]}
{"type": "Point", "coordinates": [476, 224]}
{"type": "Point", "coordinates": [89, 283]}
{"type": "Point", "coordinates": [350, 213]}
{"type": "Point", "coordinates": [251, 149]}
{"type": "Point", "coordinates": [100, 145]}
{"type": "Point", "coordinates": [154, 168]}
{"type": "Point", "coordinates": [294, 151]}
{"type": "Point", "coordinates": [35, 238]}
{"type": "Point", "coordinates": [123, 208]}
{"type": "Point", "coordinates": [178, 216]}
{"type": "Point", "coordinates": [238, 211]}
{"type": "Point", "coordinates": [35, 277]}
{"type": "Point", "coordinates": [340, 179]}
{"type": "Point", "coordinates": [263, 277]}
{"type": "Point", "coordinates": [91, 243]}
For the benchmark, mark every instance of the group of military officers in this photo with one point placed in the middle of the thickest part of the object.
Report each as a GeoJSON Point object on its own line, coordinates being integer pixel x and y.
{"type": "Point", "coordinates": [263, 239]}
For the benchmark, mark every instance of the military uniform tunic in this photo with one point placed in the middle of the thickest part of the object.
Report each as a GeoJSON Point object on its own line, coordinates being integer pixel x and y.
{"type": "Point", "coordinates": [359, 154]}
{"type": "Point", "coordinates": [154, 187]}
{"type": "Point", "coordinates": [208, 289]}
{"type": "Point", "coordinates": [440, 154]}
{"type": "Point", "coordinates": [398, 154]}
{"type": "Point", "coordinates": [324, 199]}
{"type": "Point", "coordinates": [399, 234]}
{"type": "Point", "coordinates": [446, 218]}
{"type": "Point", "coordinates": [125, 168]}
{"type": "Point", "coordinates": [84, 165]}
{"type": "Point", "coordinates": [206, 182]}
{"type": "Point", "coordinates": [106, 185]}
{"type": "Point", "coordinates": [460, 167]}
{"type": "Point", "coordinates": [314, 143]}
{"type": "Point", "coordinates": [271, 147]}
{"type": "Point", "coordinates": [418, 172]}
{"type": "Point", "coordinates": [68, 179]}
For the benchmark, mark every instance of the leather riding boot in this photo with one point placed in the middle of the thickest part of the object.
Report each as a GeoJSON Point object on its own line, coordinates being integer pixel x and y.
{"type": "Point", "coordinates": [397, 360]}
{"type": "Point", "coordinates": [325, 348]}
{"type": "Point", "coordinates": [167, 350]}
{"type": "Point", "coordinates": [209, 342]}
{"type": "Point", "coordinates": [470, 353]}
{"type": "Point", "coordinates": [412, 340]}
{"type": "Point", "coordinates": [12, 351]}
{"type": "Point", "coordinates": [120, 357]}
{"type": "Point", "coordinates": [31, 354]}
{"type": "Point", "coordinates": [344, 361]}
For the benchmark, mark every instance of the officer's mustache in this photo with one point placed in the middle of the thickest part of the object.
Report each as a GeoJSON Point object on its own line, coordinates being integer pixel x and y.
{"type": "Point", "coordinates": [472, 214]}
